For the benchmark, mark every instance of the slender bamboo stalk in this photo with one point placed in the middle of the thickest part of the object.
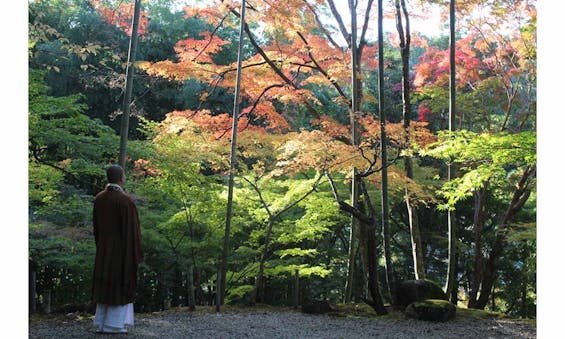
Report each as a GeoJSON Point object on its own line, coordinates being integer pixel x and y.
{"type": "Point", "coordinates": [384, 158]}
{"type": "Point", "coordinates": [236, 109]}
{"type": "Point", "coordinates": [451, 227]}
{"type": "Point", "coordinates": [130, 70]}
{"type": "Point", "coordinates": [354, 141]}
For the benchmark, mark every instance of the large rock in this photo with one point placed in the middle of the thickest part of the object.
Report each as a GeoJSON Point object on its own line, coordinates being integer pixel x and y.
{"type": "Point", "coordinates": [431, 310]}
{"type": "Point", "coordinates": [410, 291]}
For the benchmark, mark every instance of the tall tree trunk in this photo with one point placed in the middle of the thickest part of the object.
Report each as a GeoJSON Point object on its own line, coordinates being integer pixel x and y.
{"type": "Point", "coordinates": [258, 293]}
{"type": "Point", "coordinates": [236, 108]}
{"type": "Point", "coordinates": [384, 171]}
{"type": "Point", "coordinates": [478, 225]}
{"type": "Point", "coordinates": [190, 282]}
{"type": "Point", "coordinates": [351, 260]}
{"type": "Point", "coordinates": [451, 225]}
{"type": "Point", "coordinates": [455, 289]}
{"type": "Point", "coordinates": [371, 252]}
{"type": "Point", "coordinates": [130, 70]}
{"type": "Point", "coordinates": [367, 229]}
{"type": "Point", "coordinates": [519, 198]}
{"type": "Point", "coordinates": [415, 240]}
{"type": "Point", "coordinates": [355, 104]}
{"type": "Point", "coordinates": [405, 42]}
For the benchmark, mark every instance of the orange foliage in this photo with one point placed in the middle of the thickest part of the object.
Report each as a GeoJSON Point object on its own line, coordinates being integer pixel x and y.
{"type": "Point", "coordinates": [419, 134]}
{"type": "Point", "coordinates": [144, 167]}
{"type": "Point", "coordinates": [201, 50]}
{"type": "Point", "coordinates": [332, 128]}
{"type": "Point", "coordinates": [316, 150]}
{"type": "Point", "coordinates": [301, 56]}
{"type": "Point", "coordinates": [122, 16]}
{"type": "Point", "coordinates": [304, 58]}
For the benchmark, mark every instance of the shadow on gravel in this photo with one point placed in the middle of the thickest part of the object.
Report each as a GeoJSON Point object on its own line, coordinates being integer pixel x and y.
{"type": "Point", "coordinates": [271, 323]}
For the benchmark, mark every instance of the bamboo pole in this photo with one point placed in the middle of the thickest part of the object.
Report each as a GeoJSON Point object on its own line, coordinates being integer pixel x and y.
{"type": "Point", "coordinates": [130, 70]}
{"type": "Point", "coordinates": [354, 141]}
{"type": "Point", "coordinates": [236, 108]}
{"type": "Point", "coordinates": [451, 227]}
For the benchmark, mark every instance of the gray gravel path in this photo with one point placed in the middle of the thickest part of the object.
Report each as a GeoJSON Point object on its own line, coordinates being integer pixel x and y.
{"type": "Point", "coordinates": [278, 324]}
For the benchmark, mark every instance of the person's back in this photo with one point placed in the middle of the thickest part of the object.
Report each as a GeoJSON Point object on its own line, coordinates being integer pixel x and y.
{"type": "Point", "coordinates": [115, 265]}
{"type": "Point", "coordinates": [118, 253]}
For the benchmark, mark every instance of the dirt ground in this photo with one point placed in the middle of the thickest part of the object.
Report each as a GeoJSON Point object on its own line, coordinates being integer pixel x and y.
{"type": "Point", "coordinates": [278, 323]}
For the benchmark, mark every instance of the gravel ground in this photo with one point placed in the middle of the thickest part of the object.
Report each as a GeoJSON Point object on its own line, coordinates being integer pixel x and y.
{"type": "Point", "coordinates": [277, 324]}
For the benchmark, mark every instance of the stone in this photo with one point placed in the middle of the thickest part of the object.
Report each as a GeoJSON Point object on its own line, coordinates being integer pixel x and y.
{"type": "Point", "coordinates": [410, 291]}
{"type": "Point", "coordinates": [431, 310]}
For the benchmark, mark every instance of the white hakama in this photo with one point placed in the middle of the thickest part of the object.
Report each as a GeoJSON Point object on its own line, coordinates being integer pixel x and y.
{"type": "Point", "coordinates": [113, 319]}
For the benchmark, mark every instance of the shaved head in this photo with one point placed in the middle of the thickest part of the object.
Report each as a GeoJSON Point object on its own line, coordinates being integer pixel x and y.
{"type": "Point", "coordinates": [115, 174]}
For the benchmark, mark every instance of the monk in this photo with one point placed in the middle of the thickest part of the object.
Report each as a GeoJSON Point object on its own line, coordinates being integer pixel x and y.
{"type": "Point", "coordinates": [118, 253]}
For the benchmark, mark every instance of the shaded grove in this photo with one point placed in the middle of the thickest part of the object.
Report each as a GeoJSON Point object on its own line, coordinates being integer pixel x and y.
{"type": "Point", "coordinates": [297, 230]}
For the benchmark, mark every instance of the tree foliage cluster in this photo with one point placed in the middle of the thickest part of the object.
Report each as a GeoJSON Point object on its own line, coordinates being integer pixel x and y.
{"type": "Point", "coordinates": [292, 212]}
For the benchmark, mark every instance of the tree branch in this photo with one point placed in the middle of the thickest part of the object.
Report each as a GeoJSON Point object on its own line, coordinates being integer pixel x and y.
{"type": "Point", "coordinates": [261, 199]}
{"type": "Point", "coordinates": [340, 23]}
{"type": "Point", "coordinates": [362, 42]}
{"type": "Point", "coordinates": [320, 25]}
{"type": "Point", "coordinates": [274, 67]}
{"type": "Point", "coordinates": [304, 196]}
{"type": "Point", "coordinates": [319, 68]}
{"type": "Point", "coordinates": [345, 206]}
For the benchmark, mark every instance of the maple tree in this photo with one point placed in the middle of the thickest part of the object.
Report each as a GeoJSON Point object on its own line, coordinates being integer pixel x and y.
{"type": "Point", "coordinates": [180, 140]}
{"type": "Point", "coordinates": [305, 124]}
{"type": "Point", "coordinates": [405, 41]}
{"type": "Point", "coordinates": [496, 92]}
{"type": "Point", "coordinates": [282, 71]}
{"type": "Point", "coordinates": [121, 15]}
{"type": "Point", "coordinates": [263, 157]}
{"type": "Point", "coordinates": [495, 69]}
{"type": "Point", "coordinates": [495, 77]}
{"type": "Point", "coordinates": [502, 161]}
{"type": "Point", "coordinates": [67, 153]}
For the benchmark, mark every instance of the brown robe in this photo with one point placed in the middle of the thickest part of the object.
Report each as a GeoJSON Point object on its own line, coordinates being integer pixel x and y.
{"type": "Point", "coordinates": [118, 248]}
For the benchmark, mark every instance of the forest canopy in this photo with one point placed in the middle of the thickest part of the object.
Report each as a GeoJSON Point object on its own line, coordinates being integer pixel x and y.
{"type": "Point", "coordinates": [350, 157]}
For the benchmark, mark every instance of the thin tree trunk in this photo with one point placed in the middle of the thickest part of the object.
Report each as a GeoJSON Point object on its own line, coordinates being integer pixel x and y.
{"type": "Point", "coordinates": [190, 281]}
{"type": "Point", "coordinates": [405, 43]}
{"type": "Point", "coordinates": [355, 104]}
{"type": "Point", "coordinates": [351, 260]}
{"type": "Point", "coordinates": [451, 226]}
{"type": "Point", "coordinates": [364, 252]}
{"type": "Point", "coordinates": [296, 296]}
{"type": "Point", "coordinates": [130, 70]}
{"type": "Point", "coordinates": [493, 298]}
{"type": "Point", "coordinates": [384, 159]}
{"type": "Point", "coordinates": [519, 198]}
{"type": "Point", "coordinates": [258, 293]}
{"type": "Point", "coordinates": [236, 109]}
{"type": "Point", "coordinates": [371, 253]}
{"type": "Point", "coordinates": [416, 240]}
{"type": "Point", "coordinates": [478, 224]}
{"type": "Point", "coordinates": [367, 229]}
